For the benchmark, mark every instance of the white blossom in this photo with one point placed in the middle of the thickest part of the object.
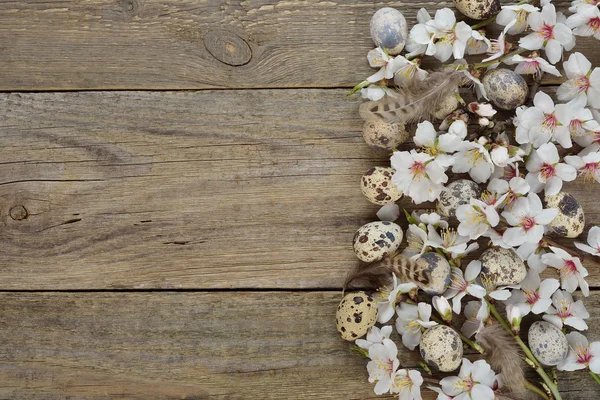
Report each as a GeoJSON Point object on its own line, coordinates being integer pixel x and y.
{"type": "Point", "coordinates": [474, 381]}
{"type": "Point", "coordinates": [546, 172]}
{"type": "Point", "coordinates": [383, 365]}
{"type": "Point", "coordinates": [474, 158]}
{"type": "Point", "coordinates": [581, 355]}
{"type": "Point", "coordinates": [442, 35]}
{"type": "Point", "coordinates": [572, 272]}
{"type": "Point", "coordinates": [442, 306]}
{"type": "Point", "coordinates": [389, 212]}
{"type": "Point", "coordinates": [407, 383]}
{"type": "Point", "coordinates": [411, 320]}
{"type": "Point", "coordinates": [587, 166]}
{"type": "Point", "coordinates": [581, 81]}
{"type": "Point", "coordinates": [586, 21]}
{"type": "Point", "coordinates": [548, 34]}
{"type": "Point", "coordinates": [416, 239]}
{"type": "Point", "coordinates": [544, 122]}
{"type": "Point", "coordinates": [593, 240]}
{"type": "Point", "coordinates": [461, 285]}
{"type": "Point", "coordinates": [440, 146]}
{"type": "Point", "coordinates": [476, 314]}
{"type": "Point", "coordinates": [534, 295]}
{"type": "Point", "coordinates": [527, 218]}
{"type": "Point", "coordinates": [564, 311]}
{"type": "Point", "coordinates": [532, 65]}
{"type": "Point", "coordinates": [476, 218]}
{"type": "Point", "coordinates": [449, 242]}
{"type": "Point", "coordinates": [374, 336]}
{"type": "Point", "coordinates": [532, 253]}
{"type": "Point", "coordinates": [387, 298]}
{"type": "Point", "coordinates": [516, 13]}
{"type": "Point", "coordinates": [418, 175]}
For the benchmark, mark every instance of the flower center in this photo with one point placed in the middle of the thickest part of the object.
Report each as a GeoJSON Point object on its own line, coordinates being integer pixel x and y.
{"type": "Point", "coordinates": [527, 223]}
{"type": "Point", "coordinates": [582, 354]}
{"type": "Point", "coordinates": [569, 268]}
{"type": "Point", "coordinates": [547, 171]}
{"type": "Point", "coordinates": [576, 127]}
{"type": "Point", "coordinates": [458, 282]}
{"type": "Point", "coordinates": [418, 168]}
{"type": "Point", "coordinates": [582, 83]}
{"type": "Point", "coordinates": [550, 122]}
{"type": "Point", "coordinates": [564, 311]}
{"type": "Point", "coordinates": [532, 296]}
{"type": "Point", "coordinates": [594, 23]}
{"type": "Point", "coordinates": [547, 32]}
{"type": "Point", "coordinates": [590, 171]}
{"type": "Point", "coordinates": [531, 67]}
{"type": "Point", "coordinates": [413, 327]}
{"type": "Point", "coordinates": [449, 237]}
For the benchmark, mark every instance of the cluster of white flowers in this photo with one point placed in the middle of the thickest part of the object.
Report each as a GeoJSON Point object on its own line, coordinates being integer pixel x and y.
{"type": "Point", "coordinates": [520, 167]}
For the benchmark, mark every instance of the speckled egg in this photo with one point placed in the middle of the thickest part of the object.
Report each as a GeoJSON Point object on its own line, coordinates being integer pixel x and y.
{"type": "Point", "coordinates": [375, 240]}
{"type": "Point", "coordinates": [448, 105]}
{"type": "Point", "coordinates": [547, 342]}
{"type": "Point", "coordinates": [376, 184]}
{"type": "Point", "coordinates": [356, 313]}
{"type": "Point", "coordinates": [477, 9]}
{"type": "Point", "coordinates": [502, 266]}
{"type": "Point", "coordinates": [441, 348]}
{"type": "Point", "coordinates": [439, 272]}
{"type": "Point", "coordinates": [457, 194]}
{"type": "Point", "coordinates": [570, 220]}
{"type": "Point", "coordinates": [389, 30]}
{"type": "Point", "coordinates": [505, 88]}
{"type": "Point", "coordinates": [380, 135]}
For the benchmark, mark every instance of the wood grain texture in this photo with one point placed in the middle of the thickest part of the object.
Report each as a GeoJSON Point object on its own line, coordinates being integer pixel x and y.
{"type": "Point", "coordinates": [211, 189]}
{"type": "Point", "coordinates": [270, 345]}
{"type": "Point", "coordinates": [193, 44]}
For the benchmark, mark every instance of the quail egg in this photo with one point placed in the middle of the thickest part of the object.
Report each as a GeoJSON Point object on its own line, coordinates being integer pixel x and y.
{"type": "Point", "coordinates": [389, 30]}
{"type": "Point", "coordinates": [376, 184]}
{"type": "Point", "coordinates": [547, 342]}
{"type": "Point", "coordinates": [477, 9]}
{"type": "Point", "coordinates": [457, 194]}
{"type": "Point", "coordinates": [375, 240]}
{"type": "Point", "coordinates": [505, 88]}
{"type": "Point", "coordinates": [570, 220]}
{"type": "Point", "coordinates": [356, 313]}
{"type": "Point", "coordinates": [441, 348]}
{"type": "Point", "coordinates": [502, 266]}
{"type": "Point", "coordinates": [446, 106]}
{"type": "Point", "coordinates": [439, 272]}
{"type": "Point", "coordinates": [380, 135]}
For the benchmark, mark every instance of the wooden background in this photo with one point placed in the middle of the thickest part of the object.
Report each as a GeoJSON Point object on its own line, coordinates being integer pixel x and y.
{"type": "Point", "coordinates": [179, 186]}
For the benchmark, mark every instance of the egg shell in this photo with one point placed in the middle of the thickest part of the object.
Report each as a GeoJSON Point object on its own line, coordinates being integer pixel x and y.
{"type": "Point", "coordinates": [502, 266]}
{"type": "Point", "coordinates": [356, 313]}
{"type": "Point", "coordinates": [447, 105]}
{"type": "Point", "coordinates": [389, 30]}
{"type": "Point", "coordinates": [547, 342]}
{"type": "Point", "coordinates": [477, 9]}
{"type": "Point", "coordinates": [439, 273]}
{"type": "Point", "coordinates": [375, 240]}
{"type": "Point", "coordinates": [441, 348]}
{"type": "Point", "coordinates": [505, 88]}
{"type": "Point", "coordinates": [570, 220]}
{"type": "Point", "coordinates": [380, 135]}
{"type": "Point", "coordinates": [457, 194]}
{"type": "Point", "coordinates": [376, 184]}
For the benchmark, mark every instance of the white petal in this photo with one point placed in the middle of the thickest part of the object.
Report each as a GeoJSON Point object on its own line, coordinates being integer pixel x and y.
{"type": "Point", "coordinates": [553, 51]}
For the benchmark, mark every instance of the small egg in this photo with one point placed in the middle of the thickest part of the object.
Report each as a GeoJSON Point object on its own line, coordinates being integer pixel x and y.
{"type": "Point", "coordinates": [376, 184]}
{"type": "Point", "coordinates": [547, 342]}
{"type": "Point", "coordinates": [457, 194]}
{"type": "Point", "coordinates": [439, 272]}
{"type": "Point", "coordinates": [446, 106]}
{"type": "Point", "coordinates": [389, 30]}
{"type": "Point", "coordinates": [356, 313]}
{"type": "Point", "coordinates": [505, 88]}
{"type": "Point", "coordinates": [502, 266]}
{"type": "Point", "coordinates": [570, 220]}
{"type": "Point", "coordinates": [380, 135]}
{"type": "Point", "coordinates": [477, 9]}
{"type": "Point", "coordinates": [375, 240]}
{"type": "Point", "coordinates": [441, 348]}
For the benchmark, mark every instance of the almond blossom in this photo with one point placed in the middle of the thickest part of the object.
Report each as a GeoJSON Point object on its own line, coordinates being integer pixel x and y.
{"type": "Point", "coordinates": [416, 239]}
{"type": "Point", "coordinates": [587, 166]}
{"type": "Point", "coordinates": [378, 58]}
{"type": "Point", "coordinates": [476, 313]}
{"type": "Point", "coordinates": [532, 65]}
{"type": "Point", "coordinates": [527, 218]}
{"type": "Point", "coordinates": [474, 158]}
{"type": "Point", "coordinates": [452, 37]}
{"type": "Point", "coordinates": [410, 322]}
{"type": "Point", "coordinates": [476, 218]}
{"type": "Point", "coordinates": [387, 298]}
{"type": "Point", "coordinates": [593, 239]}
{"type": "Point", "coordinates": [532, 253]}
{"type": "Point", "coordinates": [586, 21]}
{"type": "Point", "coordinates": [383, 365]}
{"type": "Point", "coordinates": [449, 242]}
{"type": "Point", "coordinates": [461, 285]}
{"type": "Point", "coordinates": [546, 172]}
{"type": "Point", "coordinates": [581, 355]}
{"type": "Point", "coordinates": [389, 212]}
{"type": "Point", "coordinates": [517, 15]}
{"type": "Point", "coordinates": [418, 175]}
{"type": "Point", "coordinates": [419, 31]}
{"type": "Point", "coordinates": [407, 383]}
{"type": "Point", "coordinates": [500, 192]}
{"type": "Point", "coordinates": [374, 336]}
{"type": "Point", "coordinates": [440, 146]}
{"type": "Point", "coordinates": [474, 381]}
{"type": "Point", "coordinates": [544, 122]}
{"type": "Point", "coordinates": [582, 80]}
{"type": "Point", "coordinates": [442, 306]}
{"type": "Point", "coordinates": [564, 311]}
{"type": "Point", "coordinates": [572, 272]}
{"type": "Point", "coordinates": [548, 34]}
{"type": "Point", "coordinates": [534, 295]}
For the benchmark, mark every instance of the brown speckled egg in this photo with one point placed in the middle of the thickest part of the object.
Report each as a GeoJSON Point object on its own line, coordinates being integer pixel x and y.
{"type": "Point", "coordinates": [570, 220]}
{"type": "Point", "coordinates": [502, 266]}
{"type": "Point", "coordinates": [477, 9]}
{"type": "Point", "coordinates": [457, 194]}
{"type": "Point", "coordinates": [389, 30]}
{"type": "Point", "coordinates": [505, 88]}
{"type": "Point", "coordinates": [547, 342]}
{"type": "Point", "coordinates": [380, 135]}
{"type": "Point", "coordinates": [439, 272]}
{"type": "Point", "coordinates": [356, 313]}
{"type": "Point", "coordinates": [376, 184]}
{"type": "Point", "coordinates": [375, 240]}
{"type": "Point", "coordinates": [448, 105]}
{"type": "Point", "coordinates": [441, 348]}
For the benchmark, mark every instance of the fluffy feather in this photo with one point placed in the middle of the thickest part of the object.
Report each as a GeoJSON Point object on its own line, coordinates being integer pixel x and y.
{"type": "Point", "coordinates": [415, 101]}
{"type": "Point", "coordinates": [502, 353]}
{"type": "Point", "coordinates": [379, 274]}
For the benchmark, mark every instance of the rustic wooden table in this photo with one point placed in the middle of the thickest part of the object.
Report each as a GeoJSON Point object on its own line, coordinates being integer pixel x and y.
{"type": "Point", "coordinates": [178, 192]}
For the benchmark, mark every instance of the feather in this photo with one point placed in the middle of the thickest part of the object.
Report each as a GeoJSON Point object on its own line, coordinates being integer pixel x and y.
{"type": "Point", "coordinates": [503, 355]}
{"type": "Point", "coordinates": [379, 273]}
{"type": "Point", "coordinates": [415, 101]}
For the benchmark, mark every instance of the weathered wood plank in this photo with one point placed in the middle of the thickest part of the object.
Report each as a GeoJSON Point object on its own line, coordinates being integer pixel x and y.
{"type": "Point", "coordinates": [191, 44]}
{"type": "Point", "coordinates": [212, 189]}
{"type": "Point", "coordinates": [170, 345]}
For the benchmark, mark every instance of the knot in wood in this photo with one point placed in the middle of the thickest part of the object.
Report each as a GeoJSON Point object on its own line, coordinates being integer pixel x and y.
{"type": "Point", "coordinates": [18, 213]}
{"type": "Point", "coordinates": [129, 7]}
{"type": "Point", "coordinates": [227, 47]}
